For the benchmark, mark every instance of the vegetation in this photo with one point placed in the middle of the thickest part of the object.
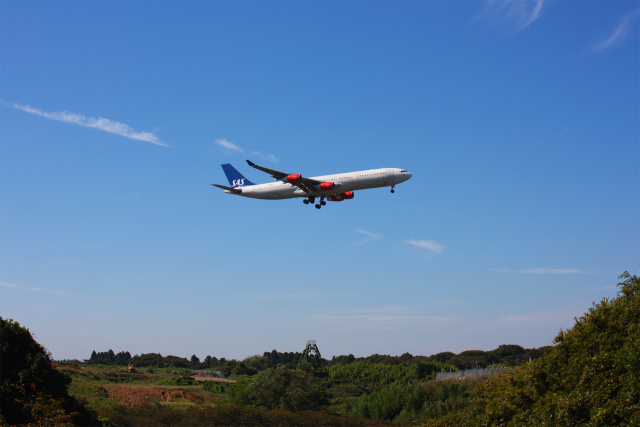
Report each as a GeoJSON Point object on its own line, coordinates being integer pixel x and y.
{"type": "Point", "coordinates": [590, 377]}
{"type": "Point", "coordinates": [32, 390]}
{"type": "Point", "coordinates": [109, 358]}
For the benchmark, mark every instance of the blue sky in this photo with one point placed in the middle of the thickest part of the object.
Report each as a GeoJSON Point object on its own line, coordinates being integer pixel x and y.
{"type": "Point", "coordinates": [520, 122]}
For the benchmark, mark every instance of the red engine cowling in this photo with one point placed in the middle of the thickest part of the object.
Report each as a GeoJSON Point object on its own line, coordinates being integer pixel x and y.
{"type": "Point", "coordinates": [342, 196]}
{"type": "Point", "coordinates": [323, 186]}
{"type": "Point", "coordinates": [293, 179]}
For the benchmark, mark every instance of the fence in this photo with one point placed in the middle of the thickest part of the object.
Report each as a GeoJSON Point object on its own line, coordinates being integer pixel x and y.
{"type": "Point", "coordinates": [473, 373]}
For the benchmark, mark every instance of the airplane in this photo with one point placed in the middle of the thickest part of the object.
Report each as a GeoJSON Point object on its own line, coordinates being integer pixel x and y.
{"type": "Point", "coordinates": [335, 188]}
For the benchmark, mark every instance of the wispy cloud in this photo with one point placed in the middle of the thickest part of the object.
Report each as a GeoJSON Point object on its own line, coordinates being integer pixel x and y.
{"type": "Point", "coordinates": [371, 237]}
{"type": "Point", "coordinates": [266, 157]}
{"type": "Point", "coordinates": [516, 14]}
{"type": "Point", "coordinates": [379, 318]}
{"type": "Point", "coordinates": [430, 245]}
{"type": "Point", "coordinates": [279, 296]}
{"type": "Point", "coordinates": [620, 32]}
{"type": "Point", "coordinates": [545, 270]}
{"type": "Point", "coordinates": [542, 270]}
{"type": "Point", "coordinates": [559, 316]}
{"type": "Point", "coordinates": [27, 288]}
{"type": "Point", "coordinates": [229, 145]}
{"type": "Point", "coordinates": [99, 123]}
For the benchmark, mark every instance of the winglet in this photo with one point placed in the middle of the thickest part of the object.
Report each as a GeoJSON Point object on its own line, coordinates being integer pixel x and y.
{"type": "Point", "coordinates": [250, 163]}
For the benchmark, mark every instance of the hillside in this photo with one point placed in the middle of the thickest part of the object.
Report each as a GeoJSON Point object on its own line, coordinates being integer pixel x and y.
{"type": "Point", "coordinates": [591, 377]}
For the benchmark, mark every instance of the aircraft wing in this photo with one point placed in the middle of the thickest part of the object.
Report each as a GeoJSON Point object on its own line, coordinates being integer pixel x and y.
{"type": "Point", "coordinates": [305, 184]}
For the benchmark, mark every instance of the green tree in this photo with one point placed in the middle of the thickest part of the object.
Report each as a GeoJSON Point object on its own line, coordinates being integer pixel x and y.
{"type": "Point", "coordinates": [32, 390]}
{"type": "Point", "coordinates": [591, 377]}
{"type": "Point", "coordinates": [287, 388]}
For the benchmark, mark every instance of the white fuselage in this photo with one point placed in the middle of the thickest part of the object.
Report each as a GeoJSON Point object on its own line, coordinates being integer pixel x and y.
{"type": "Point", "coordinates": [343, 182]}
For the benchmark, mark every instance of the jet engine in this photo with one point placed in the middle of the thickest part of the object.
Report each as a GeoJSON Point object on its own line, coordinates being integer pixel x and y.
{"type": "Point", "coordinates": [342, 196]}
{"type": "Point", "coordinates": [293, 178]}
{"type": "Point", "coordinates": [323, 186]}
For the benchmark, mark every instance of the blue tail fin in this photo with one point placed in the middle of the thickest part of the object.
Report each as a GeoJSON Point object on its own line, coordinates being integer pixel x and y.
{"type": "Point", "coordinates": [235, 178]}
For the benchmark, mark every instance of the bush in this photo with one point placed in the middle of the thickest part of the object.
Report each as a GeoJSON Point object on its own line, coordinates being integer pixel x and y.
{"type": "Point", "coordinates": [589, 378]}
{"type": "Point", "coordinates": [287, 389]}
{"type": "Point", "coordinates": [32, 390]}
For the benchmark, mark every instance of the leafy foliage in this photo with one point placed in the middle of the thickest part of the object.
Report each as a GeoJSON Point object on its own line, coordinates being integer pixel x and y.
{"type": "Point", "coordinates": [286, 388]}
{"type": "Point", "coordinates": [505, 355]}
{"type": "Point", "coordinates": [277, 358]}
{"type": "Point", "coordinates": [32, 390]}
{"type": "Point", "coordinates": [378, 375]}
{"type": "Point", "coordinates": [591, 377]}
{"type": "Point", "coordinates": [225, 415]}
{"type": "Point", "coordinates": [402, 402]}
{"type": "Point", "coordinates": [109, 357]}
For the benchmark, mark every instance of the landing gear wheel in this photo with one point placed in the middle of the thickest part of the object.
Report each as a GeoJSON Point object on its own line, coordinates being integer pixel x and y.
{"type": "Point", "coordinates": [318, 206]}
{"type": "Point", "coordinates": [393, 191]}
{"type": "Point", "coordinates": [305, 201]}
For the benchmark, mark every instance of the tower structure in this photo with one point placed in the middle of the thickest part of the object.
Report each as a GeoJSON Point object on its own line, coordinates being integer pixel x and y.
{"type": "Point", "coordinates": [311, 355]}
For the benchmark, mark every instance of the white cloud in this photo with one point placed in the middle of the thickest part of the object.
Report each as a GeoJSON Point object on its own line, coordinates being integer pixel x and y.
{"type": "Point", "coordinates": [278, 296]}
{"type": "Point", "coordinates": [542, 270]}
{"type": "Point", "coordinates": [229, 145]}
{"type": "Point", "coordinates": [266, 157]}
{"type": "Point", "coordinates": [380, 318]}
{"type": "Point", "coordinates": [619, 33]}
{"type": "Point", "coordinates": [517, 14]}
{"type": "Point", "coordinates": [431, 245]}
{"type": "Point", "coordinates": [99, 123]}
{"type": "Point", "coordinates": [371, 237]}
{"type": "Point", "coordinates": [545, 270]}
{"type": "Point", "coordinates": [26, 288]}
{"type": "Point", "coordinates": [557, 316]}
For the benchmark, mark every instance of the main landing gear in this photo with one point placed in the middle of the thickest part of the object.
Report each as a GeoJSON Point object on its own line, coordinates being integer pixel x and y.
{"type": "Point", "coordinates": [312, 199]}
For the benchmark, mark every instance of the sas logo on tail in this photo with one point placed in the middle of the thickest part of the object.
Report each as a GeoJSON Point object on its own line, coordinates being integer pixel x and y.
{"type": "Point", "coordinates": [237, 182]}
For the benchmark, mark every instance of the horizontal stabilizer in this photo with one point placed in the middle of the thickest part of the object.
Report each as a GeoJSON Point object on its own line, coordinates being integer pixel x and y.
{"type": "Point", "coordinates": [229, 189]}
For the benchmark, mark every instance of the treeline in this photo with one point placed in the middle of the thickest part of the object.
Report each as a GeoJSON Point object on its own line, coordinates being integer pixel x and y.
{"type": "Point", "coordinates": [505, 355]}
{"type": "Point", "coordinates": [109, 358]}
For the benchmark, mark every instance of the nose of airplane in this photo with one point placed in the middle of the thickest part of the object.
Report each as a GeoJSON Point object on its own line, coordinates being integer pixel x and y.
{"type": "Point", "coordinates": [402, 175]}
